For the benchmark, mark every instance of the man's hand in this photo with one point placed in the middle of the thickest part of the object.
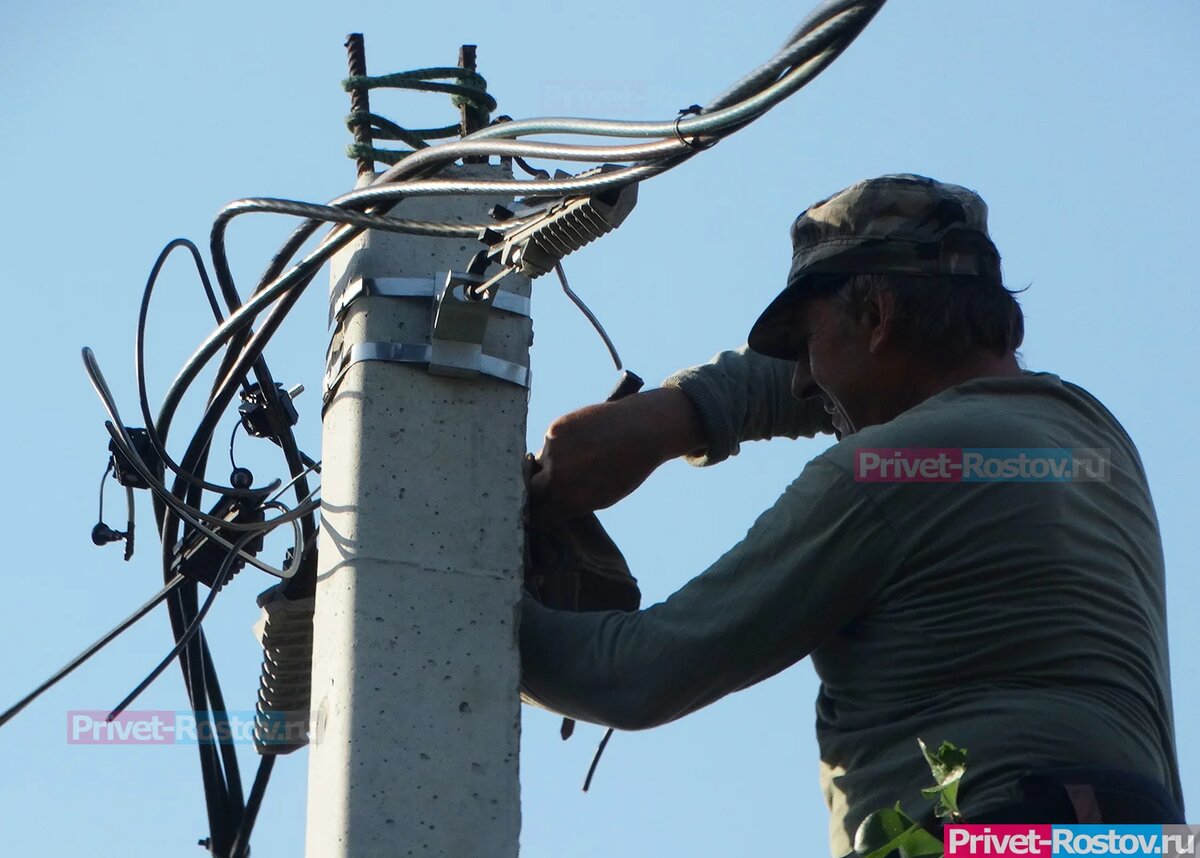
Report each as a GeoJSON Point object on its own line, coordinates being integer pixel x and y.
{"type": "Point", "coordinates": [595, 456]}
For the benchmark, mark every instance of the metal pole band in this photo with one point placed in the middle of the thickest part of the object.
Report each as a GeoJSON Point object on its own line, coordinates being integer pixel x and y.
{"type": "Point", "coordinates": [419, 353]}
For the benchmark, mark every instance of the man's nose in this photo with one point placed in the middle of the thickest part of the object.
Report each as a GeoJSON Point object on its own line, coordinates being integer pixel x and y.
{"type": "Point", "coordinates": [803, 385]}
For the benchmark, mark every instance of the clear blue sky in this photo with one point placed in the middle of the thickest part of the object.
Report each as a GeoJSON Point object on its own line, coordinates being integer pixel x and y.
{"type": "Point", "coordinates": [127, 124]}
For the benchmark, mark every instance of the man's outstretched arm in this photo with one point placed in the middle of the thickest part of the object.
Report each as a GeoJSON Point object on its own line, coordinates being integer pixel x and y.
{"type": "Point", "coordinates": [593, 457]}
{"type": "Point", "coordinates": [597, 455]}
{"type": "Point", "coordinates": [741, 395]}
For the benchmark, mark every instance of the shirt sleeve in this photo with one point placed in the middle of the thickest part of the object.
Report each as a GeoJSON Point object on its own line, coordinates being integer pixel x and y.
{"type": "Point", "coordinates": [808, 565]}
{"type": "Point", "coordinates": [744, 396]}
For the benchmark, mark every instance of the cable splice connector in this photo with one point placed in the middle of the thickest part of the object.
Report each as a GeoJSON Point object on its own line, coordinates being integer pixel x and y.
{"type": "Point", "coordinates": [198, 558]}
{"type": "Point", "coordinates": [564, 226]}
{"type": "Point", "coordinates": [123, 470]}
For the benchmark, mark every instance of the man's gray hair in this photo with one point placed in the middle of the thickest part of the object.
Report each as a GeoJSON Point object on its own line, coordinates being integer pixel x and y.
{"type": "Point", "coordinates": [943, 318]}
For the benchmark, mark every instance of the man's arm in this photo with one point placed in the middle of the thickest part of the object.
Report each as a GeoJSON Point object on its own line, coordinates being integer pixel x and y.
{"type": "Point", "coordinates": [741, 395]}
{"type": "Point", "coordinates": [812, 562]}
{"type": "Point", "coordinates": [597, 455]}
{"type": "Point", "coordinates": [593, 457]}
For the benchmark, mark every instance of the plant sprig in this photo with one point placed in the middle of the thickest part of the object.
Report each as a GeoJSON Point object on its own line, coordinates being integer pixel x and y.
{"type": "Point", "coordinates": [892, 830]}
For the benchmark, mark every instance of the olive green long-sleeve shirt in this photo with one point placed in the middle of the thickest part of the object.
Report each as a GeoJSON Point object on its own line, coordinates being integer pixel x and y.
{"type": "Point", "coordinates": [1024, 621]}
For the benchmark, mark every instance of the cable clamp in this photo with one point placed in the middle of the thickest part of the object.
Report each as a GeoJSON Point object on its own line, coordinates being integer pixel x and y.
{"type": "Point", "coordinates": [553, 227]}
{"type": "Point", "coordinates": [694, 144]}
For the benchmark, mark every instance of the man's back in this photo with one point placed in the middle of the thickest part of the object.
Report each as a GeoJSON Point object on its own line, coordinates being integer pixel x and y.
{"type": "Point", "coordinates": [1023, 620]}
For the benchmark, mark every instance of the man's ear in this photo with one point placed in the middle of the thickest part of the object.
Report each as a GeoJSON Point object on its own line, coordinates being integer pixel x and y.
{"type": "Point", "coordinates": [879, 316]}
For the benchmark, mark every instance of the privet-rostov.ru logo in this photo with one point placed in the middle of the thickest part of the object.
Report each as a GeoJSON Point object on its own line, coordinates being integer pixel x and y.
{"type": "Point", "coordinates": [1043, 841]}
{"type": "Point", "coordinates": [167, 727]}
{"type": "Point", "coordinates": [982, 464]}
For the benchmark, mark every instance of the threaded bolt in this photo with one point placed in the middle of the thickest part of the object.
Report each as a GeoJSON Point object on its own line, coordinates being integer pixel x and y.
{"type": "Point", "coordinates": [359, 103]}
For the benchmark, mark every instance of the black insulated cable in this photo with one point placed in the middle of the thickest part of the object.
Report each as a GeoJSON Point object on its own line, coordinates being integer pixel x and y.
{"type": "Point", "coordinates": [64, 671]}
{"type": "Point", "coordinates": [241, 841]}
{"type": "Point", "coordinates": [139, 361]}
{"type": "Point", "coordinates": [189, 632]}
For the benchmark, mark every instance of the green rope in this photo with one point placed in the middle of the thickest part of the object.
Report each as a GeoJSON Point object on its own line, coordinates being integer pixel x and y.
{"type": "Point", "coordinates": [472, 90]}
{"type": "Point", "coordinates": [469, 91]}
{"type": "Point", "coordinates": [384, 129]}
{"type": "Point", "coordinates": [383, 156]}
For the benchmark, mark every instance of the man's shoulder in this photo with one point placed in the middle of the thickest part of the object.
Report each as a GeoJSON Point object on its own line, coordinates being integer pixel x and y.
{"type": "Point", "coordinates": [1037, 410]}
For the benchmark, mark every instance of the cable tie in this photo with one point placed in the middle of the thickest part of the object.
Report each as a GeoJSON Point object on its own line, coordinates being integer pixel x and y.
{"type": "Point", "coordinates": [694, 144]}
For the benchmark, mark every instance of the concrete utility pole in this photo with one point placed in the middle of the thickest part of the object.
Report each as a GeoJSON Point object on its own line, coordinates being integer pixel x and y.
{"type": "Point", "coordinates": [415, 661]}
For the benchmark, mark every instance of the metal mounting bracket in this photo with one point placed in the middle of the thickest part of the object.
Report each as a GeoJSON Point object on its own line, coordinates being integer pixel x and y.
{"type": "Point", "coordinates": [459, 323]}
{"type": "Point", "coordinates": [353, 288]}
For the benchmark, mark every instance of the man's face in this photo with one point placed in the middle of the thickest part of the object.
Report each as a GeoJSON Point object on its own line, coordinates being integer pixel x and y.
{"type": "Point", "coordinates": [835, 362]}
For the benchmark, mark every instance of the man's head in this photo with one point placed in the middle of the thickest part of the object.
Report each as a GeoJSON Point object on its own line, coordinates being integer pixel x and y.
{"type": "Point", "coordinates": [894, 293]}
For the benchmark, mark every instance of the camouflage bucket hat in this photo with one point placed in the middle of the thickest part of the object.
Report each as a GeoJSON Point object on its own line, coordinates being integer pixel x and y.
{"type": "Point", "coordinates": [899, 224]}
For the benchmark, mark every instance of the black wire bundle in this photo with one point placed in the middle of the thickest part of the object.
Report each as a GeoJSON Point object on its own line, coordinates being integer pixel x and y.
{"type": "Point", "coordinates": [229, 821]}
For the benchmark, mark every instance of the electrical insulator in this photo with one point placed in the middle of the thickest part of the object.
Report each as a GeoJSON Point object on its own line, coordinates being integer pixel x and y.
{"type": "Point", "coordinates": [282, 711]}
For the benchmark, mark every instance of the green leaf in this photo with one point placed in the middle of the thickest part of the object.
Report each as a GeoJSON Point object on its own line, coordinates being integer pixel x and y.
{"type": "Point", "coordinates": [919, 843]}
{"type": "Point", "coordinates": [943, 762]}
{"type": "Point", "coordinates": [947, 765]}
{"type": "Point", "coordinates": [886, 831]}
{"type": "Point", "coordinates": [880, 832]}
{"type": "Point", "coordinates": [946, 798]}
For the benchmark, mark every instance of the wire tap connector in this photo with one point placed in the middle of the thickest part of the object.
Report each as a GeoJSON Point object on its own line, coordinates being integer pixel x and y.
{"type": "Point", "coordinates": [255, 411]}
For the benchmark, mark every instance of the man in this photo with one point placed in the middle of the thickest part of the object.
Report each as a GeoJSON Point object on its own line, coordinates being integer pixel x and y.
{"type": "Point", "coordinates": [1021, 616]}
